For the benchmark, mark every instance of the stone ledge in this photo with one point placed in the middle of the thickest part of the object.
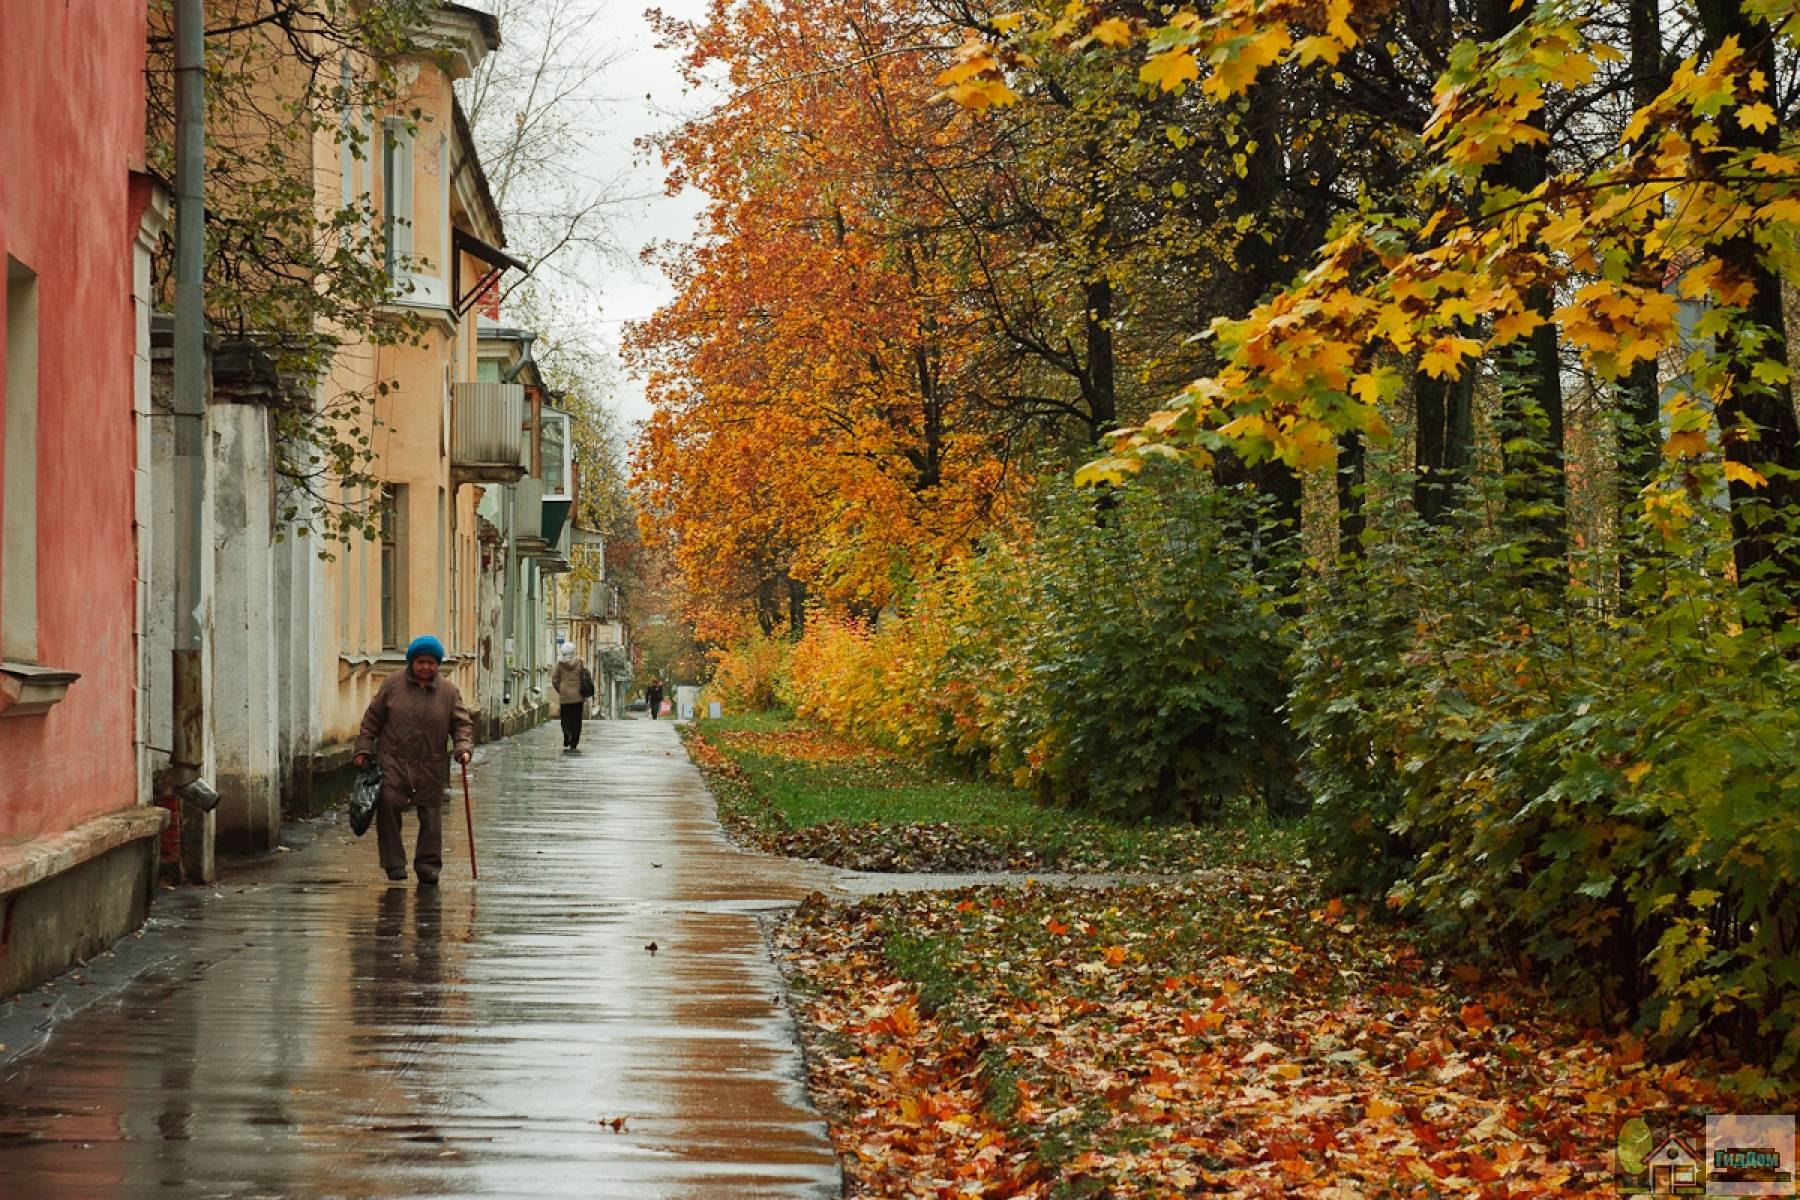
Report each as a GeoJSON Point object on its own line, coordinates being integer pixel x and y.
{"type": "Point", "coordinates": [28, 690]}
{"type": "Point", "coordinates": [41, 858]}
{"type": "Point", "coordinates": [333, 756]}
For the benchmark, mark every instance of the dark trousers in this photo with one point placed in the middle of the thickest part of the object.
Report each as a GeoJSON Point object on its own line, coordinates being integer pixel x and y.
{"type": "Point", "coordinates": [428, 857]}
{"type": "Point", "coordinates": [571, 719]}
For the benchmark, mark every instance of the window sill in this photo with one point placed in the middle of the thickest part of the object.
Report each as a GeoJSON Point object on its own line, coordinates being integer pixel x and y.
{"type": "Point", "coordinates": [389, 661]}
{"type": "Point", "coordinates": [441, 315]}
{"type": "Point", "coordinates": [29, 691]}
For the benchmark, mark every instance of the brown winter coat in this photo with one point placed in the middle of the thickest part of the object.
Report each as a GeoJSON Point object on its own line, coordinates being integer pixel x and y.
{"type": "Point", "coordinates": [565, 680]}
{"type": "Point", "coordinates": [407, 725]}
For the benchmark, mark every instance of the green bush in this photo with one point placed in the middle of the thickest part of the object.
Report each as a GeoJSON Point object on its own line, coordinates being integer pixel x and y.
{"type": "Point", "coordinates": [1600, 787]}
{"type": "Point", "coordinates": [1148, 680]}
{"type": "Point", "coordinates": [1115, 654]}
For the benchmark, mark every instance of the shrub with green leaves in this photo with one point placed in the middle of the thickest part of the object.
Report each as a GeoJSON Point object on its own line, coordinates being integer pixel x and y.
{"type": "Point", "coordinates": [1154, 661]}
{"type": "Point", "coordinates": [1118, 654]}
{"type": "Point", "coordinates": [1600, 787]}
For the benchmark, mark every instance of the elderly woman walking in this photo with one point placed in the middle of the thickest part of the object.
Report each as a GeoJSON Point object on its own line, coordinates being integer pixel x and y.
{"type": "Point", "coordinates": [566, 681]}
{"type": "Point", "coordinates": [410, 720]}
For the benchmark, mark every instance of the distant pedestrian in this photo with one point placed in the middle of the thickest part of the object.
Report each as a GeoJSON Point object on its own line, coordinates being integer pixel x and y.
{"type": "Point", "coordinates": [653, 697]}
{"type": "Point", "coordinates": [413, 715]}
{"type": "Point", "coordinates": [566, 680]}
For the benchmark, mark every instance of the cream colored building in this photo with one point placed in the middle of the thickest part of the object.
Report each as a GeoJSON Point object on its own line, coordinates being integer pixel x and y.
{"type": "Point", "coordinates": [441, 437]}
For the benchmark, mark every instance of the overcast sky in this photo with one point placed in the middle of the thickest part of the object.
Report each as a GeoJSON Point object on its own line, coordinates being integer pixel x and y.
{"type": "Point", "coordinates": [645, 95]}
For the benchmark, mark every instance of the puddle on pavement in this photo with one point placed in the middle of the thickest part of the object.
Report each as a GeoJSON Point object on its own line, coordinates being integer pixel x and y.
{"type": "Point", "coordinates": [323, 1034]}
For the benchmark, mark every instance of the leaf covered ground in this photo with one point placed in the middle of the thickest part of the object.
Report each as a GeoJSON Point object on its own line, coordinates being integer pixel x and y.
{"type": "Point", "coordinates": [1232, 1035]}
{"type": "Point", "coordinates": [791, 788]}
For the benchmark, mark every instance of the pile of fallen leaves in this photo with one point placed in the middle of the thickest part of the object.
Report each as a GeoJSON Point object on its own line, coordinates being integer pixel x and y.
{"type": "Point", "coordinates": [936, 846]}
{"type": "Point", "coordinates": [1234, 1037]}
{"type": "Point", "coordinates": [803, 743]}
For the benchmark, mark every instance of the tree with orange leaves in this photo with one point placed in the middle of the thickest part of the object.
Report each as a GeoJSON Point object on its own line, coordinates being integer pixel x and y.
{"type": "Point", "coordinates": [812, 435]}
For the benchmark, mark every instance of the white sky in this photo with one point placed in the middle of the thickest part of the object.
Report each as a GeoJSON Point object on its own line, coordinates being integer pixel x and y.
{"type": "Point", "coordinates": [645, 95]}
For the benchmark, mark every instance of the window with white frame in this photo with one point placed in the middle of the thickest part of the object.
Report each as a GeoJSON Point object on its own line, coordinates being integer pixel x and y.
{"type": "Point", "coordinates": [557, 450]}
{"type": "Point", "coordinates": [18, 469]}
{"type": "Point", "coordinates": [393, 567]}
{"type": "Point", "coordinates": [347, 131]}
{"type": "Point", "coordinates": [397, 199]}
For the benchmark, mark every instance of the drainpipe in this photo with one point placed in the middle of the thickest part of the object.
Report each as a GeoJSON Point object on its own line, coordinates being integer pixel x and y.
{"type": "Point", "coordinates": [512, 373]}
{"type": "Point", "coordinates": [510, 590]}
{"type": "Point", "coordinates": [189, 747]}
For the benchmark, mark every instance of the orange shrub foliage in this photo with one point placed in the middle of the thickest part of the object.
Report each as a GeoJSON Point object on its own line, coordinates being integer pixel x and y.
{"type": "Point", "coordinates": [746, 674]}
{"type": "Point", "coordinates": [924, 683]}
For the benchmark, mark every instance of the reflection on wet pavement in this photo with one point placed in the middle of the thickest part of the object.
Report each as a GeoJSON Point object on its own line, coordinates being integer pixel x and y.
{"type": "Point", "coordinates": [308, 1030]}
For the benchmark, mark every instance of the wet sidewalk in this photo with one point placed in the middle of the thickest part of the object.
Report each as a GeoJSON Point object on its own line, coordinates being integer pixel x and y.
{"type": "Point", "coordinates": [308, 1030]}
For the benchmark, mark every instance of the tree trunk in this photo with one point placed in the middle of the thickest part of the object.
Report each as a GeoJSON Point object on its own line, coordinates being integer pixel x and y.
{"type": "Point", "coordinates": [1102, 396]}
{"type": "Point", "coordinates": [1755, 418]}
{"type": "Point", "coordinates": [1531, 397]}
{"type": "Point", "coordinates": [1640, 398]}
{"type": "Point", "coordinates": [1443, 442]}
{"type": "Point", "coordinates": [1351, 472]}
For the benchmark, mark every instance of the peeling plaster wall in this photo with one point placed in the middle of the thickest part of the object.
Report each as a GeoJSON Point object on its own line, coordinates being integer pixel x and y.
{"type": "Point", "coordinates": [246, 713]}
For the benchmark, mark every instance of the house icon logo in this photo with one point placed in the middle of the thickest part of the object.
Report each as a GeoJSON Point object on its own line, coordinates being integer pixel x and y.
{"type": "Point", "coordinates": [1740, 1155]}
{"type": "Point", "coordinates": [1676, 1169]}
{"type": "Point", "coordinates": [1660, 1159]}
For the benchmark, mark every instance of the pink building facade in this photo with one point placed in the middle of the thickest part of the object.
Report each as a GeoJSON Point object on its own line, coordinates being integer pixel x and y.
{"type": "Point", "coordinates": [77, 220]}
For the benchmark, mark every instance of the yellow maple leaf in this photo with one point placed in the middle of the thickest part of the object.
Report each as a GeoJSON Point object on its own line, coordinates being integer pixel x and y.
{"type": "Point", "coordinates": [1515, 325]}
{"type": "Point", "coordinates": [1337, 21]}
{"type": "Point", "coordinates": [1785, 210]}
{"type": "Point", "coordinates": [1319, 47]}
{"type": "Point", "coordinates": [1686, 443]}
{"type": "Point", "coordinates": [1444, 359]}
{"type": "Point", "coordinates": [1758, 116]}
{"type": "Point", "coordinates": [979, 97]}
{"type": "Point", "coordinates": [1112, 32]}
{"type": "Point", "coordinates": [1113, 470]}
{"type": "Point", "coordinates": [1170, 69]}
{"type": "Point", "coordinates": [1742, 473]}
{"type": "Point", "coordinates": [1237, 64]}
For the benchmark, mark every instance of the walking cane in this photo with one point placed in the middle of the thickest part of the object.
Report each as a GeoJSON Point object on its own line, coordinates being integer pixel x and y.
{"type": "Point", "coordinates": [469, 817]}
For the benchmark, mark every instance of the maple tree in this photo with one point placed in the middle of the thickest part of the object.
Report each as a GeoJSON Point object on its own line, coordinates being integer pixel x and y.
{"type": "Point", "coordinates": [810, 435]}
{"type": "Point", "coordinates": [1486, 301]}
{"type": "Point", "coordinates": [1709, 200]}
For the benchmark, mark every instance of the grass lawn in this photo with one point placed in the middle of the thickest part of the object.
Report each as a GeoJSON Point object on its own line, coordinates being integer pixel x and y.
{"type": "Point", "coordinates": [792, 788]}
{"type": "Point", "coordinates": [1231, 1033]}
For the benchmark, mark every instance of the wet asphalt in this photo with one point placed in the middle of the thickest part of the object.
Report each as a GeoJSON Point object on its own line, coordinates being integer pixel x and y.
{"type": "Point", "coordinates": [306, 1029]}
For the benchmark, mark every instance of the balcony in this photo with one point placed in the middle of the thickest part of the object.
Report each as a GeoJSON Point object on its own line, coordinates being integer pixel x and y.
{"type": "Point", "coordinates": [528, 518]}
{"type": "Point", "coordinates": [596, 602]}
{"type": "Point", "coordinates": [485, 421]}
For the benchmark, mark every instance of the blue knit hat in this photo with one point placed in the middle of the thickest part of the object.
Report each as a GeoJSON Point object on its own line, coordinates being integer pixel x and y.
{"type": "Point", "coordinates": [425, 645]}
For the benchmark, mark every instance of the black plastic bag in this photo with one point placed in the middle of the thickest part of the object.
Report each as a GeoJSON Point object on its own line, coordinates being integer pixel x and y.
{"type": "Point", "coordinates": [587, 684]}
{"type": "Point", "coordinates": [364, 796]}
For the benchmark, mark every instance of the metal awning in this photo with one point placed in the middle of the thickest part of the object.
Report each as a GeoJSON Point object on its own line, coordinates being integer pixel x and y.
{"type": "Point", "coordinates": [463, 242]}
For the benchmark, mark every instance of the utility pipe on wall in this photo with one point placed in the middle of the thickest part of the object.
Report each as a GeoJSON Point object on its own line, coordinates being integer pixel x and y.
{"type": "Point", "coordinates": [190, 386]}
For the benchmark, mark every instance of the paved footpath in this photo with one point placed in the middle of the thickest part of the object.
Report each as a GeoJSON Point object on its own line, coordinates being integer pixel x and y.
{"type": "Point", "coordinates": [308, 1030]}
